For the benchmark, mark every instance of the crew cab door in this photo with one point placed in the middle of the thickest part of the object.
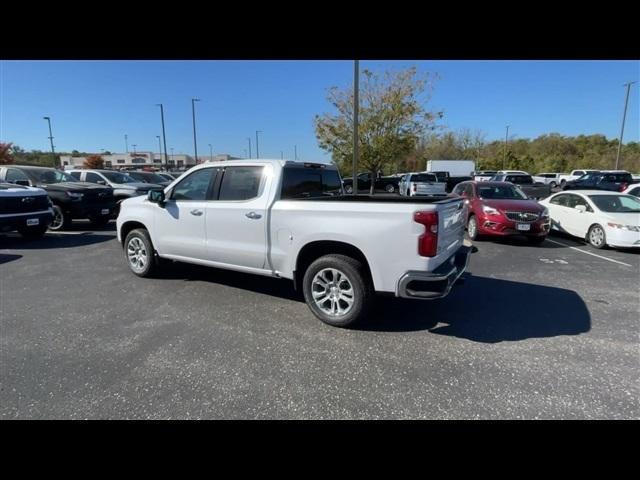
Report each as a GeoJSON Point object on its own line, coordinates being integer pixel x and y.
{"type": "Point", "coordinates": [236, 226]}
{"type": "Point", "coordinates": [179, 225]}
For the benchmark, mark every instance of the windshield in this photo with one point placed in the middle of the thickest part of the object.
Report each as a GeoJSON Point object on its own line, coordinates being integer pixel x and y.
{"type": "Point", "coordinates": [616, 203]}
{"type": "Point", "coordinates": [501, 192]}
{"type": "Point", "coordinates": [49, 175]}
{"type": "Point", "coordinates": [148, 177]}
{"type": "Point", "coordinates": [117, 177]}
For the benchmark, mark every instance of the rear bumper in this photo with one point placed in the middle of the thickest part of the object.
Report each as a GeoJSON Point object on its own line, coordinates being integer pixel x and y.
{"type": "Point", "coordinates": [436, 284]}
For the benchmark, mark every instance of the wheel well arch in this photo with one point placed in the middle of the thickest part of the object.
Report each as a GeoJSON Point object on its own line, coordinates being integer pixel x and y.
{"type": "Point", "coordinates": [586, 236]}
{"type": "Point", "coordinates": [314, 250]}
{"type": "Point", "coordinates": [127, 227]}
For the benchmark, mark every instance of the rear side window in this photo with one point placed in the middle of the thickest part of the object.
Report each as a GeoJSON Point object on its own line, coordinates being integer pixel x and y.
{"type": "Point", "coordinates": [307, 183]}
{"type": "Point", "coordinates": [519, 179]}
{"type": "Point", "coordinates": [92, 177]}
{"type": "Point", "coordinates": [75, 175]}
{"type": "Point", "coordinates": [195, 186]}
{"type": "Point", "coordinates": [560, 200]}
{"type": "Point", "coordinates": [13, 175]}
{"type": "Point", "coordinates": [240, 183]}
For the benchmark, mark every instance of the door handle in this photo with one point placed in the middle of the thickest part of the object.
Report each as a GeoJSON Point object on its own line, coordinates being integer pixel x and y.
{"type": "Point", "coordinates": [197, 213]}
{"type": "Point", "coordinates": [253, 215]}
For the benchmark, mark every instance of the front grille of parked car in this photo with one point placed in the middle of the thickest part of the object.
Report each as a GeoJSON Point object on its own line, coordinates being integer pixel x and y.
{"type": "Point", "coordinates": [522, 216]}
{"type": "Point", "coordinates": [24, 204]}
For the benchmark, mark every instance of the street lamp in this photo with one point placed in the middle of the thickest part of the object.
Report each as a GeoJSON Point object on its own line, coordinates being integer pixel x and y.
{"type": "Point", "coordinates": [134, 148]}
{"type": "Point", "coordinates": [193, 112]}
{"type": "Point", "coordinates": [159, 147]}
{"type": "Point", "coordinates": [164, 137]}
{"type": "Point", "coordinates": [211, 152]}
{"type": "Point", "coordinates": [295, 152]}
{"type": "Point", "coordinates": [504, 156]}
{"type": "Point", "coordinates": [257, 150]}
{"type": "Point", "coordinates": [249, 140]}
{"type": "Point", "coordinates": [624, 116]}
{"type": "Point", "coordinates": [53, 152]}
{"type": "Point", "coordinates": [171, 155]}
{"type": "Point", "coordinates": [126, 143]}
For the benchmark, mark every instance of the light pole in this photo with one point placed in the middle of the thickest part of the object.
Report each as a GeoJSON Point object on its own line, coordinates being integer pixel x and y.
{"type": "Point", "coordinates": [193, 113]}
{"type": "Point", "coordinates": [159, 148]}
{"type": "Point", "coordinates": [295, 152]}
{"type": "Point", "coordinates": [134, 148]}
{"type": "Point", "coordinates": [504, 156]}
{"type": "Point", "coordinates": [257, 150]}
{"type": "Point", "coordinates": [210, 152]}
{"type": "Point", "coordinates": [281, 155]}
{"type": "Point", "coordinates": [126, 143]}
{"type": "Point", "coordinates": [356, 108]}
{"type": "Point", "coordinates": [624, 116]}
{"type": "Point", "coordinates": [171, 155]}
{"type": "Point", "coordinates": [249, 140]}
{"type": "Point", "coordinates": [53, 152]}
{"type": "Point", "coordinates": [164, 137]}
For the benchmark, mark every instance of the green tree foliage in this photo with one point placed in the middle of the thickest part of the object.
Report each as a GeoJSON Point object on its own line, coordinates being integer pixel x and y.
{"type": "Point", "coordinates": [392, 119]}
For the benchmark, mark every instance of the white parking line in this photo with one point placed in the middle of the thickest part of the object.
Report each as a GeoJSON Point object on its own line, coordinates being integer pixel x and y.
{"type": "Point", "coordinates": [588, 253]}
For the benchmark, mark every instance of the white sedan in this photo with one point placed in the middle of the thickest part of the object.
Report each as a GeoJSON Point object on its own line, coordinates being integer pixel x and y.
{"type": "Point", "coordinates": [600, 217]}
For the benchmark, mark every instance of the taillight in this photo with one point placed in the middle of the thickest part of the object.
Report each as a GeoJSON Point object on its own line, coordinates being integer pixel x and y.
{"type": "Point", "coordinates": [428, 241]}
{"type": "Point", "coordinates": [413, 187]}
{"type": "Point", "coordinates": [623, 186]}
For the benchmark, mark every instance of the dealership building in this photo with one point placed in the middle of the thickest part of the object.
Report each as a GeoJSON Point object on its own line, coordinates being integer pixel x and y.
{"type": "Point", "coordinates": [143, 160]}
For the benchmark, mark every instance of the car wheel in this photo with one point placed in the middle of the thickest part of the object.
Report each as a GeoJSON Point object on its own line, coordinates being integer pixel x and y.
{"type": "Point", "coordinates": [596, 236]}
{"type": "Point", "coordinates": [390, 189]}
{"type": "Point", "coordinates": [61, 221]}
{"type": "Point", "coordinates": [338, 290]}
{"type": "Point", "coordinates": [536, 240]}
{"type": "Point", "coordinates": [33, 233]}
{"type": "Point", "coordinates": [553, 184]}
{"type": "Point", "coordinates": [472, 228]}
{"type": "Point", "coordinates": [139, 253]}
{"type": "Point", "coordinates": [348, 189]}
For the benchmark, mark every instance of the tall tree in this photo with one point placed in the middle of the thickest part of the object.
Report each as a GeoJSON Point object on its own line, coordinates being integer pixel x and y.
{"type": "Point", "coordinates": [5, 154]}
{"type": "Point", "coordinates": [93, 161]}
{"type": "Point", "coordinates": [392, 118]}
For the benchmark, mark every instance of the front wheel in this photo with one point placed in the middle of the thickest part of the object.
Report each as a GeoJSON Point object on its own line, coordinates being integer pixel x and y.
{"type": "Point", "coordinates": [596, 237]}
{"type": "Point", "coordinates": [472, 228]}
{"type": "Point", "coordinates": [348, 189]}
{"type": "Point", "coordinates": [139, 252]}
{"type": "Point", "coordinates": [337, 290]}
{"type": "Point", "coordinates": [553, 185]}
{"type": "Point", "coordinates": [390, 189]}
{"type": "Point", "coordinates": [61, 220]}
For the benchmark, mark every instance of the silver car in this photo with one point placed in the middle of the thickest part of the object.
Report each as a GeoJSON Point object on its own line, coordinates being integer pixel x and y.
{"type": "Point", "coordinates": [423, 183]}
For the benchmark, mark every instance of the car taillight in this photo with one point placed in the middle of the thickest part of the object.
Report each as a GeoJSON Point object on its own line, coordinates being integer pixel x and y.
{"type": "Point", "coordinates": [428, 241]}
{"type": "Point", "coordinates": [623, 186]}
{"type": "Point", "coordinates": [413, 187]}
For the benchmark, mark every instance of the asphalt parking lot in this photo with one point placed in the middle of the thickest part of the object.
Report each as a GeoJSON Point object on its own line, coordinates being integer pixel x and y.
{"type": "Point", "coordinates": [532, 332]}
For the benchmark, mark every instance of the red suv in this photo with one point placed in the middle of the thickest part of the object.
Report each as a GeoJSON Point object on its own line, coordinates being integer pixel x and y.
{"type": "Point", "coordinates": [502, 209]}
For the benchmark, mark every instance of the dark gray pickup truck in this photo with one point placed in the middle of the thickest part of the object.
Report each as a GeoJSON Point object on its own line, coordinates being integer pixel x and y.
{"type": "Point", "coordinates": [530, 188]}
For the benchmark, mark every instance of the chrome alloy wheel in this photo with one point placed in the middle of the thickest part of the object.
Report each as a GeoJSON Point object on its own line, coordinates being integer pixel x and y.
{"type": "Point", "coordinates": [58, 218]}
{"type": "Point", "coordinates": [332, 292]}
{"type": "Point", "coordinates": [596, 236]}
{"type": "Point", "coordinates": [137, 255]}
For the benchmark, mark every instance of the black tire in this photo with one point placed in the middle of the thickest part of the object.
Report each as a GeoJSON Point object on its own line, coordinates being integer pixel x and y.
{"type": "Point", "coordinates": [553, 185]}
{"type": "Point", "coordinates": [348, 189]}
{"type": "Point", "coordinates": [593, 236]}
{"type": "Point", "coordinates": [356, 276]}
{"type": "Point", "coordinates": [472, 230]}
{"type": "Point", "coordinates": [390, 188]}
{"type": "Point", "coordinates": [61, 220]}
{"type": "Point", "coordinates": [150, 266]}
{"type": "Point", "coordinates": [31, 233]}
{"type": "Point", "coordinates": [536, 240]}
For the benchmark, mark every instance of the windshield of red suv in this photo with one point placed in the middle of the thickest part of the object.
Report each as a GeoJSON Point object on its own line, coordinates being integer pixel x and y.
{"type": "Point", "coordinates": [500, 192]}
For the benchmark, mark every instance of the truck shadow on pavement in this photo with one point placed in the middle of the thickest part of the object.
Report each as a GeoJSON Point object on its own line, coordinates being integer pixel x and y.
{"type": "Point", "coordinates": [488, 310]}
{"type": "Point", "coordinates": [6, 258]}
{"type": "Point", "coordinates": [52, 241]}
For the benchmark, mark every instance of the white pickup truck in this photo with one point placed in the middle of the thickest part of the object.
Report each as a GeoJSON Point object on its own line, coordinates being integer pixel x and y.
{"type": "Point", "coordinates": [291, 220]}
{"type": "Point", "coordinates": [574, 175]}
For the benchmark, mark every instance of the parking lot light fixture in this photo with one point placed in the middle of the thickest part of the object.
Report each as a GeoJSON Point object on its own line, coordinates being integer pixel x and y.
{"type": "Point", "coordinates": [164, 136]}
{"type": "Point", "coordinates": [193, 113]}
{"type": "Point", "coordinates": [53, 152]}
{"type": "Point", "coordinates": [257, 150]}
{"type": "Point", "coordinates": [249, 140]}
{"type": "Point", "coordinates": [624, 116]}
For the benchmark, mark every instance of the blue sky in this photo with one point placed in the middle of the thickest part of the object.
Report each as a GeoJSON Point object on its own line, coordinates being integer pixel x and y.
{"type": "Point", "coordinates": [93, 104]}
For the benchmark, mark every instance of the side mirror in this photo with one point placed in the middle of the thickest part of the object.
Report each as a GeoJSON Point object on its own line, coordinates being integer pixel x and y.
{"type": "Point", "coordinates": [156, 196]}
{"type": "Point", "coordinates": [101, 182]}
{"type": "Point", "coordinates": [581, 208]}
{"type": "Point", "coordinates": [24, 183]}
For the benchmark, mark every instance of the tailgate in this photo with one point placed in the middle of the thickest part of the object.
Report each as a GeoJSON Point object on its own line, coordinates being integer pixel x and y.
{"type": "Point", "coordinates": [452, 218]}
{"type": "Point", "coordinates": [430, 188]}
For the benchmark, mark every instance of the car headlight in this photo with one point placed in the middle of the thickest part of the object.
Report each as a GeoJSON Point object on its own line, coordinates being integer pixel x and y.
{"type": "Point", "coordinates": [74, 196]}
{"type": "Point", "coordinates": [631, 228]}
{"type": "Point", "coordinates": [490, 210]}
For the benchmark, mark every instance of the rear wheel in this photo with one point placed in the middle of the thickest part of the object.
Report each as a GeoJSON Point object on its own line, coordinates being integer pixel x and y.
{"type": "Point", "coordinates": [596, 236]}
{"type": "Point", "coordinates": [348, 189]}
{"type": "Point", "coordinates": [61, 220]}
{"type": "Point", "coordinates": [139, 252]}
{"type": "Point", "coordinates": [553, 184]}
{"type": "Point", "coordinates": [390, 188]}
{"type": "Point", "coordinates": [338, 290]}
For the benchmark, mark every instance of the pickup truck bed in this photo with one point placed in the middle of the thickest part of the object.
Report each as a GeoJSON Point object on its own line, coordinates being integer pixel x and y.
{"type": "Point", "coordinates": [290, 220]}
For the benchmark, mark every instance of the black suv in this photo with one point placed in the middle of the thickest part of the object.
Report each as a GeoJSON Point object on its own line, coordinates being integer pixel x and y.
{"type": "Point", "coordinates": [613, 180]}
{"type": "Point", "coordinates": [71, 199]}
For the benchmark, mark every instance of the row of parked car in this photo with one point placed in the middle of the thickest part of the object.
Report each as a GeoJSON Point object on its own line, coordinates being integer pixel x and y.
{"type": "Point", "coordinates": [37, 199]}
